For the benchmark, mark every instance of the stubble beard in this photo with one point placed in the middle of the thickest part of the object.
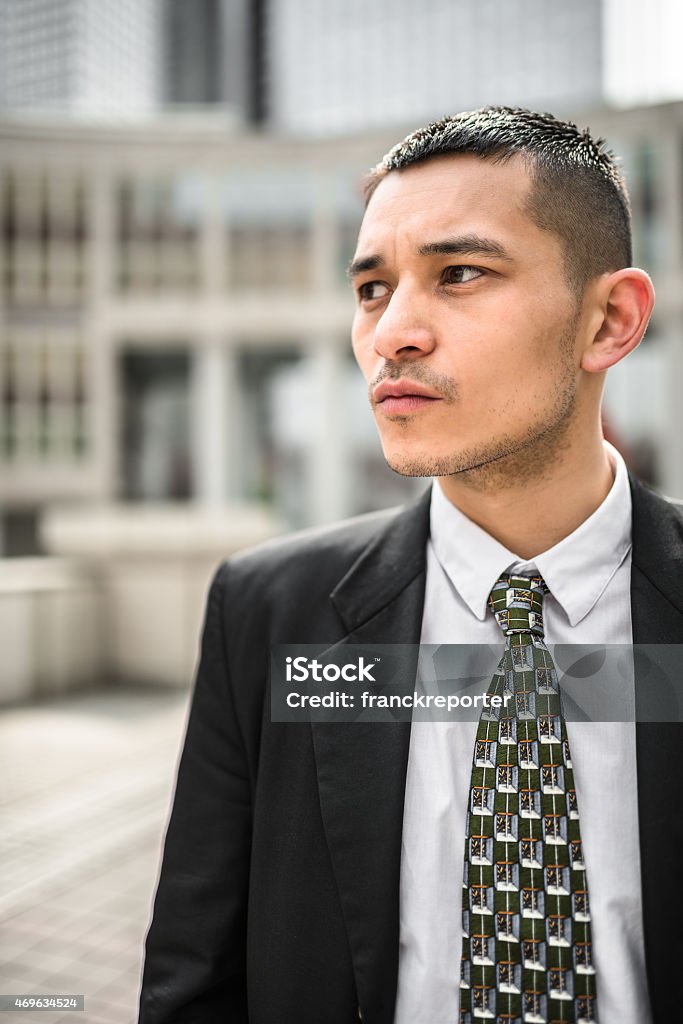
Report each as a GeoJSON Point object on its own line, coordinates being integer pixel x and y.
{"type": "Point", "coordinates": [509, 460]}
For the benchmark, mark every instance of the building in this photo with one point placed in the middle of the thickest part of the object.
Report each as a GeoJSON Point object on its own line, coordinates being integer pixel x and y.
{"type": "Point", "coordinates": [79, 58]}
{"type": "Point", "coordinates": [210, 57]}
{"type": "Point", "coordinates": [174, 320]}
{"type": "Point", "coordinates": [154, 282]}
{"type": "Point", "coordinates": [347, 66]}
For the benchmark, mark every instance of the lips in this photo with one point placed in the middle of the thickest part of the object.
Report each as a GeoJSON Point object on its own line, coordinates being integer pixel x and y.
{"type": "Point", "coordinates": [402, 396]}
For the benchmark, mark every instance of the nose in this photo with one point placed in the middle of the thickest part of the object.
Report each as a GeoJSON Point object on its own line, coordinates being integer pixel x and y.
{"type": "Point", "coordinates": [403, 332]}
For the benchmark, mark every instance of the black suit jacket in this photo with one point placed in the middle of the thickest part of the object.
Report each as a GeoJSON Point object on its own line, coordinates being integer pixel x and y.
{"type": "Point", "coordinates": [278, 899]}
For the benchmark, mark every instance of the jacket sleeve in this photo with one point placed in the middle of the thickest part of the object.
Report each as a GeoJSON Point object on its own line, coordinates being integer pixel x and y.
{"type": "Point", "coordinates": [194, 970]}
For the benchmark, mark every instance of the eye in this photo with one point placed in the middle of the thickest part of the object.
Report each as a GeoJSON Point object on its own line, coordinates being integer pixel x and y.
{"type": "Point", "coordinates": [461, 274]}
{"type": "Point", "coordinates": [371, 291]}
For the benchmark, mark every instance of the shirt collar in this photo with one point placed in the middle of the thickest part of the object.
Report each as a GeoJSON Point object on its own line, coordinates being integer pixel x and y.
{"type": "Point", "coordinates": [576, 570]}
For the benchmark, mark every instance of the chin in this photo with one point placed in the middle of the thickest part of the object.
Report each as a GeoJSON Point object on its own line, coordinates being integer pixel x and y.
{"type": "Point", "coordinates": [418, 462]}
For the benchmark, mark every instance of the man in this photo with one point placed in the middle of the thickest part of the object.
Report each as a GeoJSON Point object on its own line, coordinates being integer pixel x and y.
{"type": "Point", "coordinates": [313, 873]}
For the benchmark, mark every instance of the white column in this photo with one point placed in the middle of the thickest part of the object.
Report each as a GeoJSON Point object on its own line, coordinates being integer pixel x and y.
{"type": "Point", "coordinates": [213, 251]}
{"type": "Point", "coordinates": [102, 406]}
{"type": "Point", "coordinates": [329, 451]}
{"type": "Point", "coordinates": [325, 233]}
{"type": "Point", "coordinates": [215, 418]}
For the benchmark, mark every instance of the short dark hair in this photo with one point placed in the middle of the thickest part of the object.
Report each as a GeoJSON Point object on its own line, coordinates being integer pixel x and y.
{"type": "Point", "coordinates": [578, 191]}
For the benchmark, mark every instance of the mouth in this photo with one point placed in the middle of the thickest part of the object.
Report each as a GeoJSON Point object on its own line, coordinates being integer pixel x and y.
{"type": "Point", "coordinates": [401, 397]}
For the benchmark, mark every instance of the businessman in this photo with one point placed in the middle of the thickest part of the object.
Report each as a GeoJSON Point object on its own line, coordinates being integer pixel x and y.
{"type": "Point", "coordinates": [315, 873]}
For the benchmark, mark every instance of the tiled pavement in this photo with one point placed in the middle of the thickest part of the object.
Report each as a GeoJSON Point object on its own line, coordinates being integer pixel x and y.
{"type": "Point", "coordinates": [85, 785]}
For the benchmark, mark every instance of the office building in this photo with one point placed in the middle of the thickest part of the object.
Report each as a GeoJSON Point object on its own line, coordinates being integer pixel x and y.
{"type": "Point", "coordinates": [88, 59]}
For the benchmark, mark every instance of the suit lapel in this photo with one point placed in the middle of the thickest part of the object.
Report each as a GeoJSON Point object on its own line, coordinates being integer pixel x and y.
{"type": "Point", "coordinates": [362, 766]}
{"type": "Point", "coordinates": [657, 615]}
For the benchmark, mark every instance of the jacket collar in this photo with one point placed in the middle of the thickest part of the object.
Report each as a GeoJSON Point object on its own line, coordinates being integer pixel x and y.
{"type": "Point", "coordinates": [390, 563]}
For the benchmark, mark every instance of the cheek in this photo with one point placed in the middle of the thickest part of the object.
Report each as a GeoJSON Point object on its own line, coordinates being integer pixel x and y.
{"type": "Point", "coordinates": [361, 343]}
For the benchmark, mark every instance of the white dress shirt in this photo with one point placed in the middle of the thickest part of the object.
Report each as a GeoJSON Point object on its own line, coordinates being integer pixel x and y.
{"type": "Point", "coordinates": [588, 574]}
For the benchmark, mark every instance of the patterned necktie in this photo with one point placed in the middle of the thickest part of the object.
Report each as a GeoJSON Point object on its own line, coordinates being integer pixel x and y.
{"type": "Point", "coordinates": [526, 954]}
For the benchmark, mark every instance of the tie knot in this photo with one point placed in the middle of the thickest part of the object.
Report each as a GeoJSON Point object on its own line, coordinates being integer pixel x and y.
{"type": "Point", "coordinates": [517, 603]}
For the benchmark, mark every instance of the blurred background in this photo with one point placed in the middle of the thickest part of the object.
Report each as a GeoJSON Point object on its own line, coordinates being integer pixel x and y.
{"type": "Point", "coordinates": [179, 198]}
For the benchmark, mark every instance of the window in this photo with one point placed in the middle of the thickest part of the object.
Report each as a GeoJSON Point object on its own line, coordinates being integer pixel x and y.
{"type": "Point", "coordinates": [158, 225]}
{"type": "Point", "coordinates": [44, 396]}
{"type": "Point", "coordinates": [531, 853]}
{"type": "Point", "coordinates": [546, 682]}
{"type": "Point", "coordinates": [576, 852]}
{"type": "Point", "coordinates": [583, 953]}
{"type": "Point", "coordinates": [549, 729]}
{"type": "Point", "coordinates": [482, 799]}
{"type": "Point", "coordinates": [526, 754]}
{"type": "Point", "coordinates": [505, 874]}
{"type": "Point", "coordinates": [525, 703]}
{"type": "Point", "coordinates": [481, 948]}
{"type": "Point", "coordinates": [553, 827]}
{"type": "Point", "coordinates": [269, 229]}
{"type": "Point", "coordinates": [505, 826]}
{"type": "Point", "coordinates": [464, 973]}
{"type": "Point", "coordinates": [480, 898]}
{"type": "Point", "coordinates": [557, 878]}
{"type": "Point", "coordinates": [532, 902]}
{"type": "Point", "coordinates": [483, 753]}
{"type": "Point", "coordinates": [551, 778]}
{"type": "Point", "coordinates": [480, 850]}
{"type": "Point", "coordinates": [481, 997]}
{"type": "Point", "coordinates": [558, 980]}
{"type": "Point", "coordinates": [522, 658]}
{"type": "Point", "coordinates": [506, 921]}
{"type": "Point", "coordinates": [507, 730]}
{"type": "Point", "coordinates": [558, 930]}
{"type": "Point", "coordinates": [533, 953]}
{"type": "Point", "coordinates": [529, 803]}
{"type": "Point", "coordinates": [533, 1004]}
{"type": "Point", "coordinates": [507, 975]}
{"type": "Point", "coordinates": [581, 909]}
{"type": "Point", "coordinates": [44, 230]}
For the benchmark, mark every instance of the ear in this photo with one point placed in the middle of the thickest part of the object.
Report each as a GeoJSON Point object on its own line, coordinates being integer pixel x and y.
{"type": "Point", "coordinates": [622, 304]}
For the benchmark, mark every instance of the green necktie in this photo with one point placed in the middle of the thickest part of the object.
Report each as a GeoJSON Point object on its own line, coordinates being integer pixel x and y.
{"type": "Point", "coordinates": [527, 953]}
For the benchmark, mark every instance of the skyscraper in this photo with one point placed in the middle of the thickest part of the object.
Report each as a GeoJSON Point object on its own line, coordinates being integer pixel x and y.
{"type": "Point", "coordinates": [346, 65]}
{"type": "Point", "coordinates": [79, 58]}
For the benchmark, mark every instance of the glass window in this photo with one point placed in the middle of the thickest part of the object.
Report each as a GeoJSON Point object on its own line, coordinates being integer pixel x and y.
{"type": "Point", "coordinates": [157, 233]}
{"type": "Point", "coordinates": [269, 221]}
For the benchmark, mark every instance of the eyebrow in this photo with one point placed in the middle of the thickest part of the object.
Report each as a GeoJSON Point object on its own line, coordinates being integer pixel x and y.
{"type": "Point", "coordinates": [462, 245]}
{"type": "Point", "coordinates": [465, 245]}
{"type": "Point", "coordinates": [360, 266]}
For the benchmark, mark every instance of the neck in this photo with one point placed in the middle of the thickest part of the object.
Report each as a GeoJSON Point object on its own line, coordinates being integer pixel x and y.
{"type": "Point", "coordinates": [530, 513]}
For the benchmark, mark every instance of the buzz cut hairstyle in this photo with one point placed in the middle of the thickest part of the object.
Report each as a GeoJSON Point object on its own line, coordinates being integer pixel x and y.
{"type": "Point", "coordinates": [577, 190]}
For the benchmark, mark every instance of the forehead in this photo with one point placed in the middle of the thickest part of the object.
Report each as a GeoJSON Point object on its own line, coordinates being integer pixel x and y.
{"type": "Point", "coordinates": [448, 195]}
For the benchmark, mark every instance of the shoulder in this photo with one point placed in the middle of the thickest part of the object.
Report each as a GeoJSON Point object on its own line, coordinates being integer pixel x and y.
{"type": "Point", "coordinates": [284, 591]}
{"type": "Point", "coordinates": [657, 534]}
{"type": "Point", "coordinates": [655, 512]}
{"type": "Point", "coordinates": [314, 558]}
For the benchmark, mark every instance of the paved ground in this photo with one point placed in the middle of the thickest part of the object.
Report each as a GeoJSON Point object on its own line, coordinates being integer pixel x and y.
{"type": "Point", "coordinates": [85, 784]}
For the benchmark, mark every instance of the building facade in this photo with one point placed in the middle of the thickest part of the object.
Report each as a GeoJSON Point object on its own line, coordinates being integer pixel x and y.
{"type": "Point", "coordinates": [345, 65]}
{"type": "Point", "coordinates": [175, 319]}
{"type": "Point", "coordinates": [80, 58]}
